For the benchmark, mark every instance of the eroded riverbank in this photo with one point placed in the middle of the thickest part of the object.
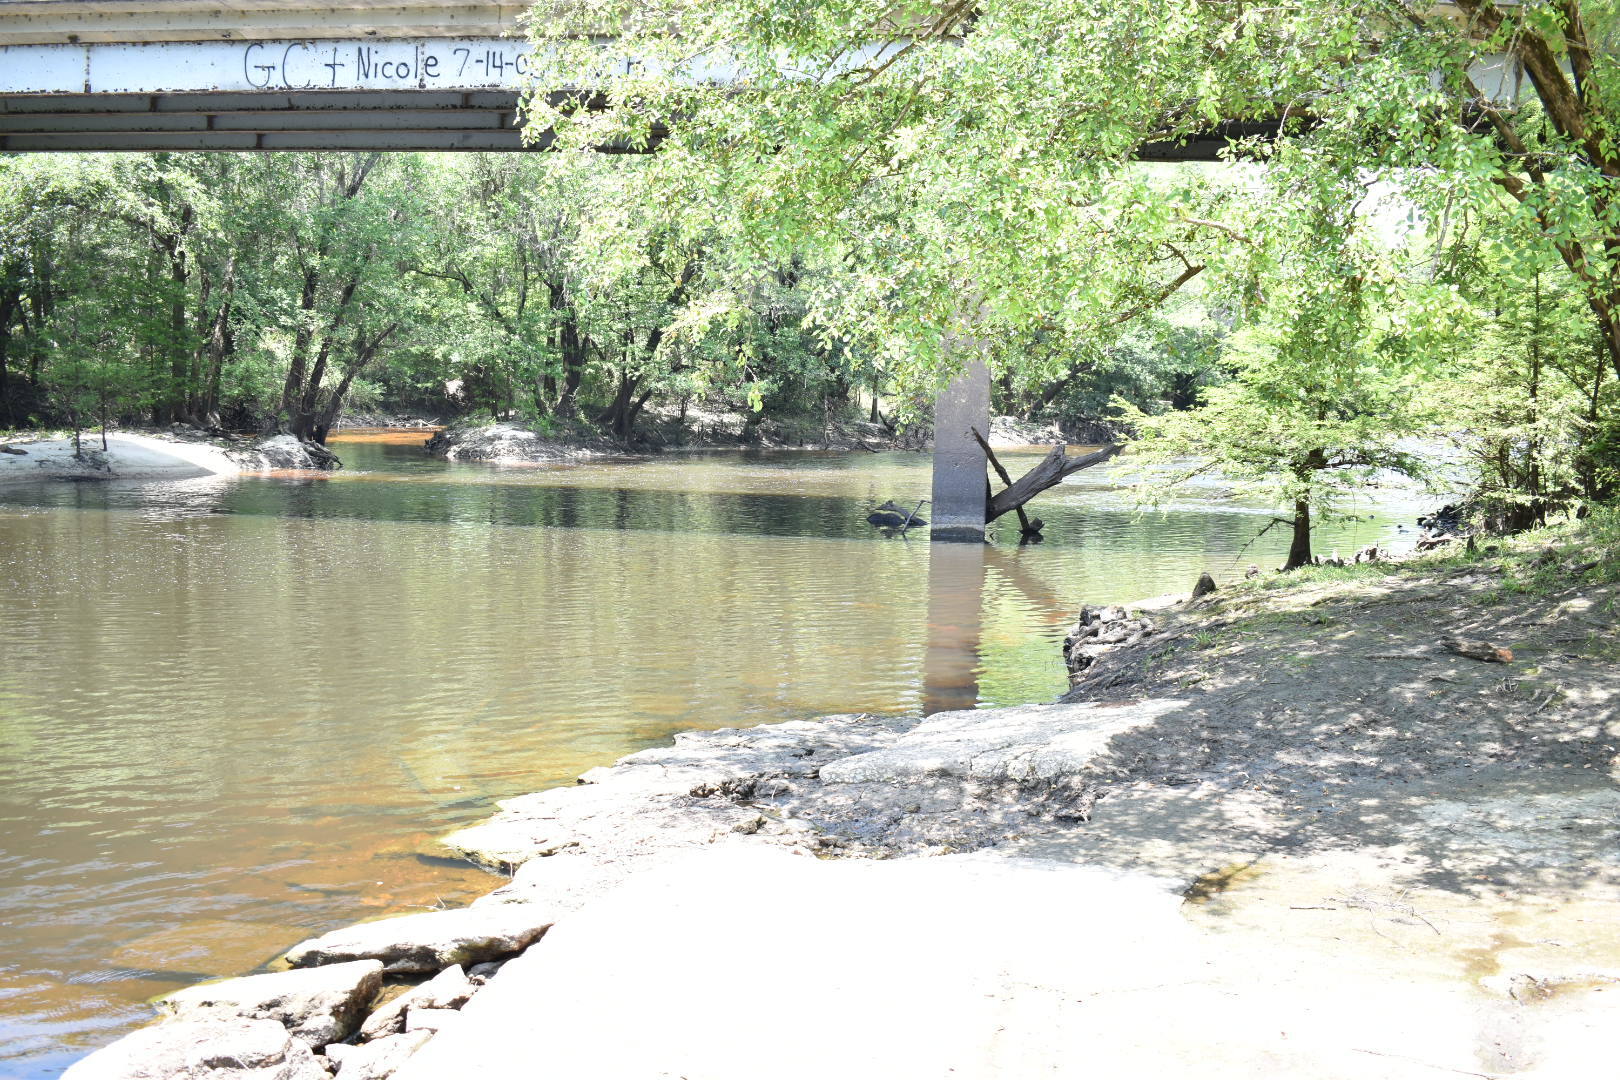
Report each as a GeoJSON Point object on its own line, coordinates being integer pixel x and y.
{"type": "Point", "coordinates": [1298, 817]}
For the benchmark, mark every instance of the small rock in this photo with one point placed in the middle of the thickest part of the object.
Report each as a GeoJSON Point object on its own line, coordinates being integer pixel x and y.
{"type": "Point", "coordinates": [1478, 650]}
{"type": "Point", "coordinates": [428, 942]}
{"type": "Point", "coordinates": [233, 1049]}
{"type": "Point", "coordinates": [749, 827]}
{"type": "Point", "coordinates": [378, 1060]}
{"type": "Point", "coordinates": [317, 1006]}
{"type": "Point", "coordinates": [1204, 587]}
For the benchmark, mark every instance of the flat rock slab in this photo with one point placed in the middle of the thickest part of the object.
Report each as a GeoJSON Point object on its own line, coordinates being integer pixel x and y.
{"type": "Point", "coordinates": [316, 1005]}
{"type": "Point", "coordinates": [429, 942]}
{"type": "Point", "coordinates": [203, 1050]}
{"type": "Point", "coordinates": [668, 798]}
{"type": "Point", "coordinates": [980, 966]}
{"type": "Point", "coordinates": [1023, 743]}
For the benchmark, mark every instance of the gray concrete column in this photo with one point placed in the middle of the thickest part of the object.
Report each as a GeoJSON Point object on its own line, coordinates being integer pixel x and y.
{"type": "Point", "coordinates": [960, 481]}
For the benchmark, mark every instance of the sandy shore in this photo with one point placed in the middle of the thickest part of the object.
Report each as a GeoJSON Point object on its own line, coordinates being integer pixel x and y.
{"type": "Point", "coordinates": [147, 456]}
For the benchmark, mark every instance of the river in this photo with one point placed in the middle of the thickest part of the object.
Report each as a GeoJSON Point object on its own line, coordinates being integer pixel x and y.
{"type": "Point", "coordinates": [236, 712]}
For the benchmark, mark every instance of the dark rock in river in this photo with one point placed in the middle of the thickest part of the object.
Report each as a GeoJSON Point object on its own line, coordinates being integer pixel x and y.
{"type": "Point", "coordinates": [890, 516]}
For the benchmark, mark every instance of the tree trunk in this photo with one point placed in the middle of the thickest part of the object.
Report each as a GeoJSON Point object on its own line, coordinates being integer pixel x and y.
{"type": "Point", "coordinates": [294, 384]}
{"type": "Point", "coordinates": [8, 309]}
{"type": "Point", "coordinates": [41, 304]}
{"type": "Point", "coordinates": [1299, 551]}
{"type": "Point", "coordinates": [174, 250]}
{"type": "Point", "coordinates": [572, 348]}
{"type": "Point", "coordinates": [304, 418]}
{"type": "Point", "coordinates": [573, 357]}
{"type": "Point", "coordinates": [218, 346]}
{"type": "Point", "coordinates": [621, 415]}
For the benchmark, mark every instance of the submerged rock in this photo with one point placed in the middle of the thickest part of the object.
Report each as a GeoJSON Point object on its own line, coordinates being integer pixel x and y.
{"type": "Point", "coordinates": [316, 1006]}
{"type": "Point", "coordinates": [233, 1049]}
{"type": "Point", "coordinates": [428, 942]}
{"type": "Point", "coordinates": [891, 516]}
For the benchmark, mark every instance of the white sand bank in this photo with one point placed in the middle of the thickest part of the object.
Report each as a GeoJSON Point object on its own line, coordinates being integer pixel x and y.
{"type": "Point", "coordinates": [127, 457]}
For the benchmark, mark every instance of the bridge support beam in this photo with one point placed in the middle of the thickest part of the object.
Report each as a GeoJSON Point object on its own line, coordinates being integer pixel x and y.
{"type": "Point", "coordinates": [961, 485]}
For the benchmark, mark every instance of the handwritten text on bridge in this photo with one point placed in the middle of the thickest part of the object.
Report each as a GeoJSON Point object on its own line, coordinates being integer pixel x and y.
{"type": "Point", "coordinates": [423, 64]}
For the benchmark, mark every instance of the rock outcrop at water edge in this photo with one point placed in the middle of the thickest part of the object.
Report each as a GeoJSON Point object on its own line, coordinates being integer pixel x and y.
{"type": "Point", "coordinates": [509, 444]}
{"type": "Point", "coordinates": [426, 943]}
{"type": "Point", "coordinates": [317, 1006]}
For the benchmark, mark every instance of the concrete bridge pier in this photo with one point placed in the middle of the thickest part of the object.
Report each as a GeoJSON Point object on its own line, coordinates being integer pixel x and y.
{"type": "Point", "coordinates": [960, 481]}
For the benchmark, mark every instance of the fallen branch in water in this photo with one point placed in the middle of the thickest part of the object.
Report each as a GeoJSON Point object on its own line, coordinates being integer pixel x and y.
{"type": "Point", "coordinates": [1051, 471]}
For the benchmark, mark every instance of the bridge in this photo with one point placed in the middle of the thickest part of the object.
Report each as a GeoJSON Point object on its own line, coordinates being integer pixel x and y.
{"type": "Point", "coordinates": [291, 75]}
{"type": "Point", "coordinates": [260, 75]}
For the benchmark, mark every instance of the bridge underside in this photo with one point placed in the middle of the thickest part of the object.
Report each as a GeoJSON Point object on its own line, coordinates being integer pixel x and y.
{"type": "Point", "coordinates": [307, 120]}
{"type": "Point", "coordinates": [426, 120]}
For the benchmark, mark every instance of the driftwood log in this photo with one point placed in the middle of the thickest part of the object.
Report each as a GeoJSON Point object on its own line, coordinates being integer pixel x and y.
{"type": "Point", "coordinates": [1051, 471]}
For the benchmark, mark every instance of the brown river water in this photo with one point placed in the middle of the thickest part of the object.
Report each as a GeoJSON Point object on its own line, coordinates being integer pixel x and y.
{"type": "Point", "coordinates": [236, 712]}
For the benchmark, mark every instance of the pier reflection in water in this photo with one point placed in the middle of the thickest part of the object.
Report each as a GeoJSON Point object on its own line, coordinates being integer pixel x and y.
{"type": "Point", "coordinates": [236, 712]}
{"type": "Point", "coordinates": [952, 657]}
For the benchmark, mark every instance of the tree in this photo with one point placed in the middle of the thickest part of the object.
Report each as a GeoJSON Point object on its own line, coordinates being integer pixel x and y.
{"type": "Point", "coordinates": [965, 183]}
{"type": "Point", "coordinates": [1527, 397]}
{"type": "Point", "coordinates": [1323, 380]}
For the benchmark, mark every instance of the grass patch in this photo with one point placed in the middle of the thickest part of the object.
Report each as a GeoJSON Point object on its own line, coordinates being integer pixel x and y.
{"type": "Point", "coordinates": [1568, 552]}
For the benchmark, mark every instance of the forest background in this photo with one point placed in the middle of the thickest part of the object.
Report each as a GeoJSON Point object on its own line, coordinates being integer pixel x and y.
{"type": "Point", "coordinates": [1416, 262]}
